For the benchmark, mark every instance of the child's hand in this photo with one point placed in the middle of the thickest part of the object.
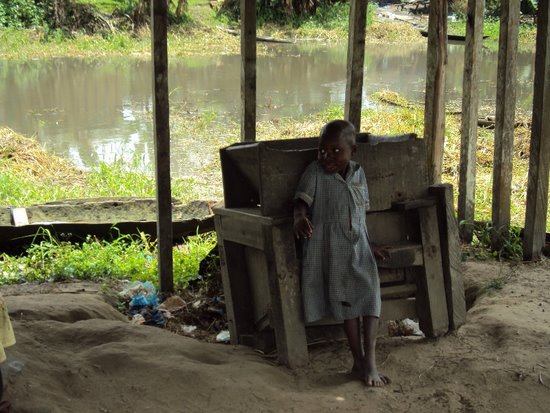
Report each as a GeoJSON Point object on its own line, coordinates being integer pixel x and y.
{"type": "Point", "coordinates": [303, 228]}
{"type": "Point", "coordinates": [380, 251]}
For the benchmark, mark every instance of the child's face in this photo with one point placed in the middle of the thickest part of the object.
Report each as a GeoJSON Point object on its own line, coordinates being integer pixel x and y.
{"type": "Point", "coordinates": [335, 154]}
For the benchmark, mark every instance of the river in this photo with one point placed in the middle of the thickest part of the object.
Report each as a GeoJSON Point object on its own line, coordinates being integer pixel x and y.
{"type": "Point", "coordinates": [100, 110]}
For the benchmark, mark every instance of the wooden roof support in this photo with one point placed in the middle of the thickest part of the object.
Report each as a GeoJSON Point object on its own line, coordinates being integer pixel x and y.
{"type": "Point", "coordinates": [504, 122]}
{"type": "Point", "coordinates": [434, 115]}
{"type": "Point", "coordinates": [355, 64]}
{"type": "Point", "coordinates": [159, 24]}
{"type": "Point", "coordinates": [539, 160]}
{"type": "Point", "coordinates": [248, 70]}
{"type": "Point", "coordinates": [470, 104]}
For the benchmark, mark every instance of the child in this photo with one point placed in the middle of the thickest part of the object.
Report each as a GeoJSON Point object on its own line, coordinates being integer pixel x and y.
{"type": "Point", "coordinates": [339, 273]}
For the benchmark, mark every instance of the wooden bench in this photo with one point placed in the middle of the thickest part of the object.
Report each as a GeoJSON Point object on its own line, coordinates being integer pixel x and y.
{"type": "Point", "coordinates": [260, 259]}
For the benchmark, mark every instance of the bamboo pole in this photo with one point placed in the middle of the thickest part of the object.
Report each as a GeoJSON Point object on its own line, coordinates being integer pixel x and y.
{"type": "Point", "coordinates": [355, 62]}
{"type": "Point", "coordinates": [159, 23]}
{"type": "Point", "coordinates": [470, 104]}
{"type": "Point", "coordinates": [539, 160]}
{"type": "Point", "coordinates": [248, 70]}
{"type": "Point", "coordinates": [434, 115]}
{"type": "Point", "coordinates": [504, 121]}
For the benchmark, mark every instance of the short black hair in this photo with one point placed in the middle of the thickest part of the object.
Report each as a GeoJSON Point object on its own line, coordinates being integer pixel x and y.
{"type": "Point", "coordinates": [337, 128]}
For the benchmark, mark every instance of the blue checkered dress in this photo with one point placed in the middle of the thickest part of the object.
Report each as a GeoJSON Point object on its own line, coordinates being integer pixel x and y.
{"type": "Point", "coordinates": [339, 273]}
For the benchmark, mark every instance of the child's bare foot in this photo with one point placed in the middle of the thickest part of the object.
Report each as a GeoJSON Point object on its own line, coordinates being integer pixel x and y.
{"type": "Point", "coordinates": [375, 379]}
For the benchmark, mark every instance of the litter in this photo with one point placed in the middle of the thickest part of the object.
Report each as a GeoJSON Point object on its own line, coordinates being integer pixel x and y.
{"type": "Point", "coordinates": [223, 336]}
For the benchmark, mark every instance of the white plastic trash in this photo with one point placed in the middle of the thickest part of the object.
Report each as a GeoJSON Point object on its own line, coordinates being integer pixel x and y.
{"type": "Point", "coordinates": [223, 336]}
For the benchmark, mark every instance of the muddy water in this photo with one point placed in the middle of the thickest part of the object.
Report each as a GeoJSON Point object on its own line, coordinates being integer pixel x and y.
{"type": "Point", "coordinates": [100, 110]}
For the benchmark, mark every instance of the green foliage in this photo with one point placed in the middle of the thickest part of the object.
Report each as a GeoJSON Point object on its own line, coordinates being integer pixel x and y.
{"type": "Point", "coordinates": [127, 257]}
{"type": "Point", "coordinates": [24, 13]}
{"type": "Point", "coordinates": [511, 245]}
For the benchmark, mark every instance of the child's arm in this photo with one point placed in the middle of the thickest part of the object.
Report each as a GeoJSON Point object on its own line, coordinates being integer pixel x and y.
{"type": "Point", "coordinates": [303, 228]}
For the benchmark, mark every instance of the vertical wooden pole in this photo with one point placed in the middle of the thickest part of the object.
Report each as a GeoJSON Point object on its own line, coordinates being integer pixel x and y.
{"type": "Point", "coordinates": [356, 61]}
{"type": "Point", "coordinates": [539, 160]}
{"type": "Point", "coordinates": [159, 24]}
{"type": "Point", "coordinates": [248, 70]}
{"type": "Point", "coordinates": [434, 115]}
{"type": "Point", "coordinates": [504, 122]}
{"type": "Point", "coordinates": [470, 104]}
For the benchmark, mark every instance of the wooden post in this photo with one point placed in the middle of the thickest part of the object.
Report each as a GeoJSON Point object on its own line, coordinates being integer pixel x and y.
{"type": "Point", "coordinates": [434, 115]}
{"type": "Point", "coordinates": [451, 256]}
{"type": "Point", "coordinates": [431, 297]}
{"type": "Point", "coordinates": [504, 122]}
{"type": "Point", "coordinates": [248, 70]}
{"type": "Point", "coordinates": [470, 104]}
{"type": "Point", "coordinates": [539, 160]}
{"type": "Point", "coordinates": [356, 61]}
{"type": "Point", "coordinates": [159, 24]}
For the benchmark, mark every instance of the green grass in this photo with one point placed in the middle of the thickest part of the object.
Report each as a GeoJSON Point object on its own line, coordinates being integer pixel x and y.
{"type": "Point", "coordinates": [132, 258]}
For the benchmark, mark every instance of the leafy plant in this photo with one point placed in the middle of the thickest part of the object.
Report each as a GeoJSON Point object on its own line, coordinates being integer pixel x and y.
{"type": "Point", "coordinates": [510, 244]}
{"type": "Point", "coordinates": [130, 257]}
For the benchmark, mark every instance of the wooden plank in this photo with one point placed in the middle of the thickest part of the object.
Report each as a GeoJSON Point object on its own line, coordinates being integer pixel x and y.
{"type": "Point", "coordinates": [504, 126]}
{"type": "Point", "coordinates": [286, 299]}
{"type": "Point", "coordinates": [242, 232]}
{"type": "Point", "coordinates": [235, 287]}
{"type": "Point", "coordinates": [256, 268]}
{"type": "Point", "coordinates": [451, 256]}
{"type": "Point", "coordinates": [470, 104]}
{"type": "Point", "coordinates": [391, 275]}
{"type": "Point", "coordinates": [432, 306]}
{"type": "Point", "coordinates": [248, 70]}
{"type": "Point", "coordinates": [539, 160]}
{"type": "Point", "coordinates": [355, 62]}
{"type": "Point", "coordinates": [413, 204]}
{"type": "Point", "coordinates": [159, 23]}
{"type": "Point", "coordinates": [434, 115]}
{"type": "Point", "coordinates": [400, 256]}
{"type": "Point", "coordinates": [398, 291]}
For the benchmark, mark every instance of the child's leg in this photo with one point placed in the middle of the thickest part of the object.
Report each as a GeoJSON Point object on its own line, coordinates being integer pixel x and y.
{"type": "Point", "coordinates": [353, 332]}
{"type": "Point", "coordinates": [372, 377]}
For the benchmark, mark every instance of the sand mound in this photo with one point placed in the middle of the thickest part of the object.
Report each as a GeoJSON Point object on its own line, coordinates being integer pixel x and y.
{"type": "Point", "coordinates": [88, 361]}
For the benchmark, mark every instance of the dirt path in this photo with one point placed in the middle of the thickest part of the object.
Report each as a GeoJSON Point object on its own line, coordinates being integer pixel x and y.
{"type": "Point", "coordinates": [80, 355]}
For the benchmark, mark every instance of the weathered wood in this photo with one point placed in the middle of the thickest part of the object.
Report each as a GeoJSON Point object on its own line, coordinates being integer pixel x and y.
{"type": "Point", "coordinates": [356, 61]}
{"type": "Point", "coordinates": [391, 275]}
{"type": "Point", "coordinates": [159, 23]}
{"type": "Point", "coordinates": [469, 122]}
{"type": "Point", "coordinates": [265, 174]}
{"type": "Point", "coordinates": [539, 160]}
{"type": "Point", "coordinates": [431, 304]}
{"type": "Point", "coordinates": [248, 70]}
{"type": "Point", "coordinates": [243, 232]}
{"type": "Point", "coordinates": [504, 127]}
{"type": "Point", "coordinates": [398, 291]}
{"type": "Point", "coordinates": [434, 115]}
{"type": "Point", "coordinates": [400, 256]}
{"type": "Point", "coordinates": [238, 302]}
{"type": "Point", "coordinates": [286, 300]}
{"type": "Point", "coordinates": [256, 268]}
{"type": "Point", "coordinates": [451, 256]}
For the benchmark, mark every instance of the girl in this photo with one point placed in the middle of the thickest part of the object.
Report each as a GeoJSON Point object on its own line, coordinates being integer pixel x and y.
{"type": "Point", "coordinates": [339, 273]}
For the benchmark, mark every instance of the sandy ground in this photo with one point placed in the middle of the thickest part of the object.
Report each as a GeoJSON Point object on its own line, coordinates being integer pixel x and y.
{"type": "Point", "coordinates": [81, 355]}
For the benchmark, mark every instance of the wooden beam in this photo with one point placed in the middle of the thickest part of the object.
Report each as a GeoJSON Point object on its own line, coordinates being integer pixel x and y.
{"type": "Point", "coordinates": [451, 255]}
{"type": "Point", "coordinates": [504, 126]}
{"type": "Point", "coordinates": [356, 62]}
{"type": "Point", "coordinates": [434, 115]}
{"type": "Point", "coordinates": [539, 160]}
{"type": "Point", "coordinates": [431, 298]}
{"type": "Point", "coordinates": [286, 299]}
{"type": "Point", "coordinates": [159, 24]}
{"type": "Point", "coordinates": [470, 104]}
{"type": "Point", "coordinates": [248, 70]}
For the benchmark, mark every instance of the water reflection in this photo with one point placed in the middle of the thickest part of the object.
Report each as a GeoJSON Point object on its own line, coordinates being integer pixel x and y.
{"type": "Point", "coordinates": [100, 110]}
